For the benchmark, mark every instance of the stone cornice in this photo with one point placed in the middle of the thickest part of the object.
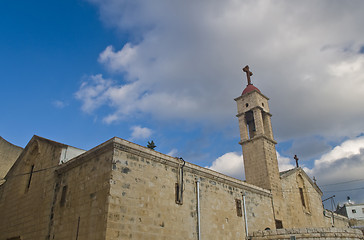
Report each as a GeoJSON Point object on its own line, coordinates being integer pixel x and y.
{"type": "Point", "coordinates": [256, 138]}
{"type": "Point", "coordinates": [247, 94]}
{"type": "Point", "coordinates": [259, 107]}
{"type": "Point", "coordinates": [152, 155]}
{"type": "Point", "coordinates": [189, 167]}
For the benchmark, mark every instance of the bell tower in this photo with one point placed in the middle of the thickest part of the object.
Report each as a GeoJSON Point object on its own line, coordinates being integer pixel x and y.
{"type": "Point", "coordinates": [259, 152]}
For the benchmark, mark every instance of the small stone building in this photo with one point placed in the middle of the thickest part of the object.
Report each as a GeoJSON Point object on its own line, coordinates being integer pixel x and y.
{"type": "Point", "coordinates": [120, 190]}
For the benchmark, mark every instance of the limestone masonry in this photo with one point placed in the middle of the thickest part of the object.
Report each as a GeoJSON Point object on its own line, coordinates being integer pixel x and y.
{"type": "Point", "coordinates": [120, 190]}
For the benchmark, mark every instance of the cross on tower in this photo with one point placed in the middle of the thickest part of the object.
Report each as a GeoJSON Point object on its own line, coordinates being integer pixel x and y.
{"type": "Point", "coordinates": [248, 74]}
{"type": "Point", "coordinates": [296, 158]}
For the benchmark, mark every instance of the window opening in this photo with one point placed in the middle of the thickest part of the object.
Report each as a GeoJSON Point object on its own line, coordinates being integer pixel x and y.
{"type": "Point", "coordinates": [353, 211]}
{"type": "Point", "coordinates": [178, 194]}
{"type": "Point", "coordinates": [63, 196]}
{"type": "Point", "coordinates": [239, 211]}
{"type": "Point", "coordinates": [302, 197]}
{"type": "Point", "coordinates": [249, 118]}
{"type": "Point", "coordinates": [30, 176]}
{"type": "Point", "coordinates": [279, 224]}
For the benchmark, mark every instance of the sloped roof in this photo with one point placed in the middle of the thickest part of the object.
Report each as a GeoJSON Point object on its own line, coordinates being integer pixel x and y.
{"type": "Point", "coordinates": [289, 172]}
{"type": "Point", "coordinates": [26, 149]}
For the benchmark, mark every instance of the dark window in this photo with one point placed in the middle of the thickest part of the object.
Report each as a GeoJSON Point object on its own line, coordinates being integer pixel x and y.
{"type": "Point", "coordinates": [30, 176]}
{"type": "Point", "coordinates": [239, 211]}
{"type": "Point", "coordinates": [279, 224]}
{"type": "Point", "coordinates": [302, 197]}
{"type": "Point", "coordinates": [249, 118]}
{"type": "Point", "coordinates": [353, 211]}
{"type": "Point", "coordinates": [63, 197]}
{"type": "Point", "coordinates": [179, 199]}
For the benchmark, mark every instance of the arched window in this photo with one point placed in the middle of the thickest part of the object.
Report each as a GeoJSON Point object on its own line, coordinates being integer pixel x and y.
{"type": "Point", "coordinates": [302, 191]}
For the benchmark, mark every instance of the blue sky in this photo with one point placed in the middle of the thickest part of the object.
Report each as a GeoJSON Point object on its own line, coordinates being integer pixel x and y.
{"type": "Point", "coordinates": [81, 72]}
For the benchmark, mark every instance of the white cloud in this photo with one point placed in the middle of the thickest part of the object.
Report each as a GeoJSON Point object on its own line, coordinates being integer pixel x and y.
{"type": "Point", "coordinates": [173, 152]}
{"type": "Point", "coordinates": [139, 132]}
{"type": "Point", "coordinates": [230, 164]}
{"type": "Point", "coordinates": [338, 170]}
{"type": "Point", "coordinates": [118, 61]}
{"type": "Point", "coordinates": [59, 104]}
{"type": "Point", "coordinates": [93, 92]}
{"type": "Point", "coordinates": [284, 163]}
{"type": "Point", "coordinates": [186, 63]}
{"type": "Point", "coordinates": [346, 158]}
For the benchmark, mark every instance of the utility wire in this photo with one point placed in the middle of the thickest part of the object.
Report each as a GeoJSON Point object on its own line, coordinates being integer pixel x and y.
{"type": "Point", "coordinates": [346, 190]}
{"type": "Point", "coordinates": [35, 171]}
{"type": "Point", "coordinates": [338, 183]}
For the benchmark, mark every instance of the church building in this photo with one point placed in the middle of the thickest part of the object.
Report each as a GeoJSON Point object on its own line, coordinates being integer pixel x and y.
{"type": "Point", "coordinates": [121, 190]}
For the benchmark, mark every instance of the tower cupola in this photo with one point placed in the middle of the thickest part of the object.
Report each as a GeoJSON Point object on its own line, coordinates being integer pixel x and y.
{"type": "Point", "coordinates": [250, 87]}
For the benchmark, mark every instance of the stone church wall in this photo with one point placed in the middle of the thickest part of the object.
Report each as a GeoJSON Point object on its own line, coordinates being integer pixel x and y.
{"type": "Point", "coordinates": [80, 197]}
{"type": "Point", "coordinates": [142, 199]}
{"type": "Point", "coordinates": [120, 190]}
{"type": "Point", "coordinates": [25, 202]}
{"type": "Point", "coordinates": [67, 201]}
{"type": "Point", "coordinates": [311, 213]}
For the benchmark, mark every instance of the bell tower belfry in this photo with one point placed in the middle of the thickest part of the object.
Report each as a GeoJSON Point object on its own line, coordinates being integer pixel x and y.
{"type": "Point", "coordinates": [259, 152]}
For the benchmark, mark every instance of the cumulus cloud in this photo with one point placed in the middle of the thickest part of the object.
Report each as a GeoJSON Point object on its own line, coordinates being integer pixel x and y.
{"type": "Point", "coordinates": [93, 92]}
{"type": "Point", "coordinates": [139, 132]}
{"type": "Point", "coordinates": [230, 164]}
{"type": "Point", "coordinates": [184, 60]}
{"type": "Point", "coordinates": [284, 163]}
{"type": "Point", "coordinates": [346, 158]}
{"type": "Point", "coordinates": [340, 171]}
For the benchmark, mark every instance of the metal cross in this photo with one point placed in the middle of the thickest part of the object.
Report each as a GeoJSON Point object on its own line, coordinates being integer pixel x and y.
{"type": "Point", "coordinates": [296, 158]}
{"type": "Point", "coordinates": [248, 74]}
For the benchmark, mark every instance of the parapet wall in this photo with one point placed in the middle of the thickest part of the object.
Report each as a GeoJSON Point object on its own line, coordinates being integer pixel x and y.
{"type": "Point", "coordinates": [309, 234]}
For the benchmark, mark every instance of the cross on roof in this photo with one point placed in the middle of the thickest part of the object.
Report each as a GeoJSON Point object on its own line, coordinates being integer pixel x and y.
{"type": "Point", "coordinates": [248, 74]}
{"type": "Point", "coordinates": [296, 158]}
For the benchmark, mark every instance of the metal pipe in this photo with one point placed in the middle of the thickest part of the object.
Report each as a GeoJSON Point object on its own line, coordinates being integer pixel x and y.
{"type": "Point", "coordinates": [245, 217]}
{"type": "Point", "coordinates": [198, 209]}
{"type": "Point", "coordinates": [180, 182]}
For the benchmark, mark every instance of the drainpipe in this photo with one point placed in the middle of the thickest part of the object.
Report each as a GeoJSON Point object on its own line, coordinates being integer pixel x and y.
{"type": "Point", "coordinates": [198, 210]}
{"type": "Point", "coordinates": [245, 217]}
